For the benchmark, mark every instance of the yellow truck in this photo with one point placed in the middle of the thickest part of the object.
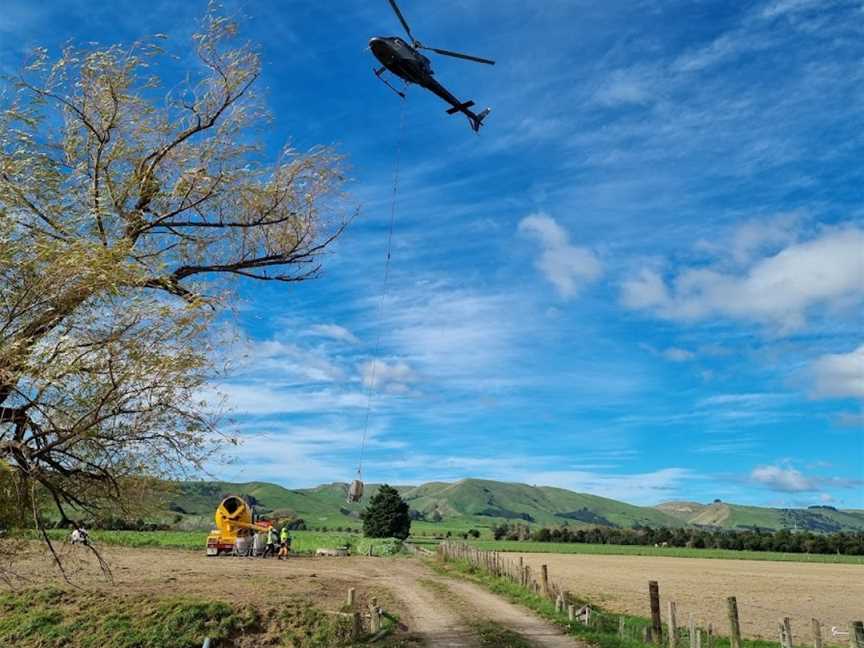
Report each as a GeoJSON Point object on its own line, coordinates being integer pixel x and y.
{"type": "Point", "coordinates": [233, 519]}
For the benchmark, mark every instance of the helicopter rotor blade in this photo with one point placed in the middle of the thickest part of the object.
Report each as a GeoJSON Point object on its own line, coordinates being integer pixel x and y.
{"type": "Point", "coordinates": [467, 57]}
{"type": "Point", "coordinates": [402, 20]}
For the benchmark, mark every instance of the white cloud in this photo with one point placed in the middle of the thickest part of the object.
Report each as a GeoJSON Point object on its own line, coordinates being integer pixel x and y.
{"type": "Point", "coordinates": [300, 455]}
{"type": "Point", "coordinates": [333, 332]}
{"type": "Point", "coordinates": [746, 400]}
{"type": "Point", "coordinates": [784, 479]}
{"type": "Point", "coordinates": [624, 87]}
{"type": "Point", "coordinates": [755, 237]}
{"type": "Point", "coordinates": [644, 291]}
{"type": "Point", "coordinates": [392, 377]}
{"type": "Point", "coordinates": [567, 267]}
{"type": "Point", "coordinates": [455, 334]}
{"type": "Point", "coordinates": [778, 290]}
{"type": "Point", "coordinates": [281, 361]}
{"type": "Point", "coordinates": [723, 47]}
{"type": "Point", "coordinates": [262, 399]}
{"type": "Point", "coordinates": [674, 354]}
{"type": "Point", "coordinates": [783, 7]}
{"type": "Point", "coordinates": [839, 375]}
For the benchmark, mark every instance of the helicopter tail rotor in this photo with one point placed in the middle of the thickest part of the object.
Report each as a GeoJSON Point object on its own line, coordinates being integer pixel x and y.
{"type": "Point", "coordinates": [477, 120]}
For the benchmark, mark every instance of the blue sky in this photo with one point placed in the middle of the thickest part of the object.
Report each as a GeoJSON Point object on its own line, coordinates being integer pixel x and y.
{"type": "Point", "coordinates": [644, 279]}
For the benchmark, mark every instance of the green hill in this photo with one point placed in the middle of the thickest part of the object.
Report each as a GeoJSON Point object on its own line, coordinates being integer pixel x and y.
{"type": "Point", "coordinates": [824, 519]}
{"type": "Point", "coordinates": [481, 500]}
{"type": "Point", "coordinates": [483, 503]}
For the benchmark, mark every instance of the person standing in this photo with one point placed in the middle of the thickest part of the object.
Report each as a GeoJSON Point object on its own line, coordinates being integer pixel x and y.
{"type": "Point", "coordinates": [270, 547]}
{"type": "Point", "coordinates": [284, 543]}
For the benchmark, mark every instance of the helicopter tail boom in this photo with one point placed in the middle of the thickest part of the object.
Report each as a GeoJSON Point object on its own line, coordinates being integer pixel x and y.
{"type": "Point", "coordinates": [476, 120]}
{"type": "Point", "coordinates": [460, 107]}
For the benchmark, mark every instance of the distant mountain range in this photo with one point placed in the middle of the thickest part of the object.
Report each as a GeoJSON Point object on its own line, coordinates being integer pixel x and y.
{"type": "Point", "coordinates": [483, 503]}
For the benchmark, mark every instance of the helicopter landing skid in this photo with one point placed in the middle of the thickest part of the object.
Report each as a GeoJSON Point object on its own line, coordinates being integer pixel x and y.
{"type": "Point", "coordinates": [378, 74]}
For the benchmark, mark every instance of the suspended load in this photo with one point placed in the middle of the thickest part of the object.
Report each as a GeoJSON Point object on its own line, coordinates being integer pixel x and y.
{"type": "Point", "coordinates": [355, 491]}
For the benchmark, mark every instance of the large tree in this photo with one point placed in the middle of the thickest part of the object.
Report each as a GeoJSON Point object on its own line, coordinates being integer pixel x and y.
{"type": "Point", "coordinates": [124, 210]}
{"type": "Point", "coordinates": [387, 515]}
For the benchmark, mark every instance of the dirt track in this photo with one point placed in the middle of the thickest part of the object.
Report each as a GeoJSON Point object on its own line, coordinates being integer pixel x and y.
{"type": "Point", "coordinates": [437, 610]}
{"type": "Point", "coordinates": [766, 591]}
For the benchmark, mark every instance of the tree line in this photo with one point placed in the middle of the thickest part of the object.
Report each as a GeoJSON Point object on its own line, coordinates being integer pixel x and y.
{"type": "Point", "coordinates": [785, 541]}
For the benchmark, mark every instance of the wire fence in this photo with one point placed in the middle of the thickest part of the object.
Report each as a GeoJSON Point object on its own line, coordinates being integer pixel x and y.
{"type": "Point", "coordinates": [665, 627]}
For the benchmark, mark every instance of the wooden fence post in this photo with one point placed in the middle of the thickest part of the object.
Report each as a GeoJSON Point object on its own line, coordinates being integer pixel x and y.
{"type": "Point", "coordinates": [571, 613]}
{"type": "Point", "coordinates": [710, 637]}
{"type": "Point", "coordinates": [691, 630]}
{"type": "Point", "coordinates": [856, 634]}
{"type": "Point", "coordinates": [544, 580]}
{"type": "Point", "coordinates": [656, 621]}
{"type": "Point", "coordinates": [817, 633]}
{"type": "Point", "coordinates": [374, 617]}
{"type": "Point", "coordinates": [351, 595]}
{"type": "Point", "coordinates": [621, 627]}
{"type": "Point", "coordinates": [734, 624]}
{"type": "Point", "coordinates": [786, 633]}
{"type": "Point", "coordinates": [698, 637]}
{"type": "Point", "coordinates": [673, 625]}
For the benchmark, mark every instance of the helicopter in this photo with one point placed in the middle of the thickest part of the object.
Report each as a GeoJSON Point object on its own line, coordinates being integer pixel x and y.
{"type": "Point", "coordinates": [405, 61]}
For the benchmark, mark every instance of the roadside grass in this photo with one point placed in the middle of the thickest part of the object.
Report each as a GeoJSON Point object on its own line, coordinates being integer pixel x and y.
{"type": "Point", "coordinates": [517, 546]}
{"type": "Point", "coordinates": [494, 635]}
{"type": "Point", "coordinates": [57, 617]}
{"type": "Point", "coordinates": [604, 630]}
{"type": "Point", "coordinates": [304, 542]}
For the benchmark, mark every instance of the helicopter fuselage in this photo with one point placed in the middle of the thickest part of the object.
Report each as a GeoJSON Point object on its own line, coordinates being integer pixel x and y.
{"type": "Point", "coordinates": [401, 59]}
{"type": "Point", "coordinates": [407, 63]}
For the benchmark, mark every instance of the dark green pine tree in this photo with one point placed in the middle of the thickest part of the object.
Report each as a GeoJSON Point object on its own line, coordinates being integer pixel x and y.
{"type": "Point", "coordinates": [386, 516]}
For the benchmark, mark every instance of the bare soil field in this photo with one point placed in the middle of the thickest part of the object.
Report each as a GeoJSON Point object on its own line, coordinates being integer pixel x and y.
{"type": "Point", "coordinates": [766, 591]}
{"type": "Point", "coordinates": [436, 611]}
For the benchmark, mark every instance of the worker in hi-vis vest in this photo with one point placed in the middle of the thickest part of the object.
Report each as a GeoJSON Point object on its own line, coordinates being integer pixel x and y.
{"type": "Point", "coordinates": [270, 547]}
{"type": "Point", "coordinates": [284, 542]}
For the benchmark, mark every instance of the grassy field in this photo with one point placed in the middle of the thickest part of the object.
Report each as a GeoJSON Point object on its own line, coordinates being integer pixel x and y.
{"type": "Point", "coordinates": [55, 617]}
{"type": "Point", "coordinates": [309, 541]}
{"type": "Point", "coordinates": [674, 552]}
{"type": "Point", "coordinates": [303, 541]}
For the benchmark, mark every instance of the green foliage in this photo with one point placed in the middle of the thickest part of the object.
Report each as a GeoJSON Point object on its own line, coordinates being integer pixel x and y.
{"type": "Point", "coordinates": [386, 516]}
{"type": "Point", "coordinates": [785, 541]}
{"type": "Point", "coordinates": [121, 205]}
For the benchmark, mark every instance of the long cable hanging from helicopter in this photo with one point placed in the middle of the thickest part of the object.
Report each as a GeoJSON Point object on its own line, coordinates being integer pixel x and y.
{"type": "Point", "coordinates": [407, 63]}
{"type": "Point", "coordinates": [355, 490]}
